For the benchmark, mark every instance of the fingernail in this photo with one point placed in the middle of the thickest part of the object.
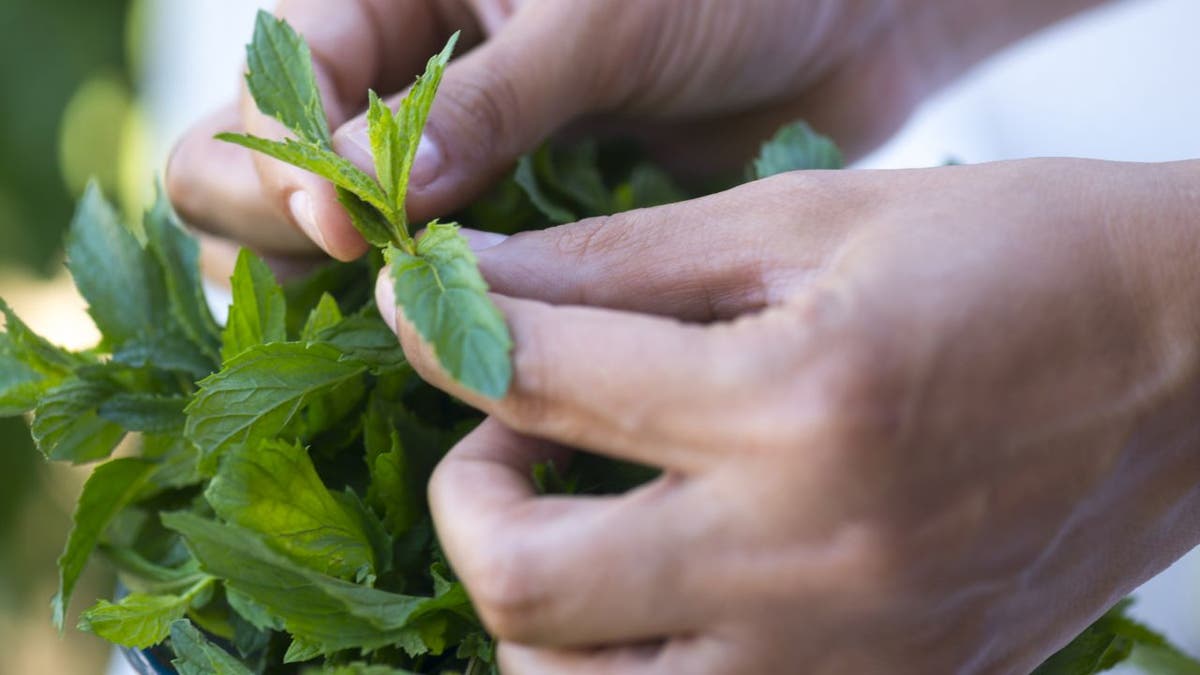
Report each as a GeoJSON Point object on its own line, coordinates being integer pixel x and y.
{"type": "Point", "coordinates": [357, 148]}
{"type": "Point", "coordinates": [427, 163]}
{"type": "Point", "coordinates": [385, 297]}
{"type": "Point", "coordinates": [479, 240]}
{"type": "Point", "coordinates": [301, 206]}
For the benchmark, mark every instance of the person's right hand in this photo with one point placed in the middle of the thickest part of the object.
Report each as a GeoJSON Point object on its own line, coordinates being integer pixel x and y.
{"type": "Point", "coordinates": [701, 82]}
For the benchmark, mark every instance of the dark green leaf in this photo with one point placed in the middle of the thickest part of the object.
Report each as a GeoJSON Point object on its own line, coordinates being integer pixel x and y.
{"type": "Point", "coordinates": [66, 424]}
{"type": "Point", "coordinates": [370, 223]}
{"type": "Point", "coordinates": [281, 80]}
{"type": "Point", "coordinates": [258, 314]}
{"type": "Point", "coordinates": [110, 489]}
{"type": "Point", "coordinates": [795, 147]}
{"type": "Point", "coordinates": [441, 292]}
{"type": "Point", "coordinates": [260, 391]}
{"type": "Point", "coordinates": [367, 339]}
{"type": "Point", "coordinates": [152, 413]}
{"type": "Point", "coordinates": [178, 255]}
{"type": "Point", "coordinates": [272, 489]}
{"type": "Point", "coordinates": [29, 365]}
{"type": "Point", "coordinates": [195, 655]}
{"type": "Point", "coordinates": [123, 285]}
{"type": "Point", "coordinates": [316, 608]}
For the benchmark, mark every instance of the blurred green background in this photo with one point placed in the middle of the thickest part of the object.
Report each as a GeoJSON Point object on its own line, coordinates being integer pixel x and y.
{"type": "Point", "coordinates": [68, 112]}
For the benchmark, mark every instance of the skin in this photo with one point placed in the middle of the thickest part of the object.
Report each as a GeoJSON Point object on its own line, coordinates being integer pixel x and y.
{"type": "Point", "coordinates": [910, 421]}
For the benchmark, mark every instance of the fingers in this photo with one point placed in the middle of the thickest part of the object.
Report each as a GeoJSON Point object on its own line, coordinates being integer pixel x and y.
{"type": "Point", "coordinates": [694, 656]}
{"type": "Point", "coordinates": [712, 258]}
{"type": "Point", "coordinates": [626, 385]}
{"type": "Point", "coordinates": [495, 103]}
{"type": "Point", "coordinates": [275, 207]}
{"type": "Point", "coordinates": [565, 571]}
{"type": "Point", "coordinates": [215, 188]}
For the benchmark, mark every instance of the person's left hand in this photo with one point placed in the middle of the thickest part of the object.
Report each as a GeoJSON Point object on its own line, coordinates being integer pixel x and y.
{"type": "Point", "coordinates": [916, 422]}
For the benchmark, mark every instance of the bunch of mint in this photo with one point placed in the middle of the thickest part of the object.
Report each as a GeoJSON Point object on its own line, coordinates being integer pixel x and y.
{"type": "Point", "coordinates": [265, 507]}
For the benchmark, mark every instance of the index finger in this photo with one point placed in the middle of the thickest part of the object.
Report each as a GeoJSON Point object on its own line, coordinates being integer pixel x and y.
{"type": "Point", "coordinates": [643, 388]}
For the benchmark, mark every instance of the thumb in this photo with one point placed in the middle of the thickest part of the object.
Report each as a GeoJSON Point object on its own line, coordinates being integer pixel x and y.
{"type": "Point", "coordinates": [496, 102]}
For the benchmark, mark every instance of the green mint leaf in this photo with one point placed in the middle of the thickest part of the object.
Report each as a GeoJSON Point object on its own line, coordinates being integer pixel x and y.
{"type": "Point", "coordinates": [123, 286]}
{"type": "Point", "coordinates": [109, 489]}
{"type": "Point", "coordinates": [360, 668]}
{"type": "Point", "coordinates": [140, 620]}
{"type": "Point", "coordinates": [67, 425]}
{"type": "Point", "coordinates": [795, 147]}
{"type": "Point", "coordinates": [389, 148]}
{"type": "Point", "coordinates": [300, 651]}
{"type": "Point", "coordinates": [195, 655]}
{"type": "Point", "coordinates": [178, 255]}
{"type": "Point", "coordinates": [169, 349]}
{"type": "Point", "coordinates": [274, 490]}
{"type": "Point", "coordinates": [1163, 660]}
{"type": "Point", "coordinates": [325, 315]}
{"type": "Point", "coordinates": [254, 614]}
{"type": "Point", "coordinates": [441, 291]}
{"type": "Point", "coordinates": [29, 365]}
{"type": "Point", "coordinates": [315, 608]}
{"type": "Point", "coordinates": [281, 79]}
{"type": "Point", "coordinates": [259, 312]}
{"type": "Point", "coordinates": [391, 491]}
{"type": "Point", "coordinates": [370, 223]}
{"type": "Point", "coordinates": [325, 163]}
{"type": "Point", "coordinates": [395, 142]}
{"type": "Point", "coordinates": [259, 392]}
{"type": "Point", "coordinates": [366, 339]}
{"type": "Point", "coordinates": [549, 206]}
{"type": "Point", "coordinates": [150, 413]}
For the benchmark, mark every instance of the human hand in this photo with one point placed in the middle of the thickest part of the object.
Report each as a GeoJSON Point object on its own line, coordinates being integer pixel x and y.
{"type": "Point", "coordinates": [700, 83]}
{"type": "Point", "coordinates": [921, 422]}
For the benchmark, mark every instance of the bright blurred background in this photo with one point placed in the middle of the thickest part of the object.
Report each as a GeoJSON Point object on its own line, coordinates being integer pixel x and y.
{"type": "Point", "coordinates": [100, 88]}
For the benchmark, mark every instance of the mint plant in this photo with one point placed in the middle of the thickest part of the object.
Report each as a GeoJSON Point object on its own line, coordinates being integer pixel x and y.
{"type": "Point", "coordinates": [266, 510]}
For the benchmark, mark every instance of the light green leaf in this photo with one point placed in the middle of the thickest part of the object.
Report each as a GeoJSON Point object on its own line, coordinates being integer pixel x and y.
{"type": "Point", "coordinates": [259, 392]}
{"type": "Point", "coordinates": [388, 147]}
{"type": "Point", "coordinates": [272, 489]}
{"type": "Point", "coordinates": [325, 163]}
{"type": "Point", "coordinates": [316, 608]}
{"type": "Point", "coordinates": [795, 147]}
{"type": "Point", "coordinates": [140, 620]}
{"type": "Point", "coordinates": [66, 424]}
{"type": "Point", "coordinates": [123, 285]}
{"type": "Point", "coordinates": [325, 315]}
{"type": "Point", "coordinates": [441, 291]}
{"type": "Point", "coordinates": [195, 655]}
{"type": "Point", "coordinates": [1163, 660]}
{"type": "Point", "coordinates": [411, 118]}
{"type": "Point", "coordinates": [281, 79]}
{"type": "Point", "coordinates": [151, 413]}
{"type": "Point", "coordinates": [300, 651]}
{"type": "Point", "coordinates": [109, 489]}
{"type": "Point", "coordinates": [258, 314]}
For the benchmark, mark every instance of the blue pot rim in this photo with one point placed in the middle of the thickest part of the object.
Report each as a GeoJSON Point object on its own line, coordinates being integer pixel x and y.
{"type": "Point", "coordinates": [152, 661]}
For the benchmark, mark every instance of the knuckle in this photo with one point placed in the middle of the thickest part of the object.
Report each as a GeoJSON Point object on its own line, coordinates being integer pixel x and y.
{"type": "Point", "coordinates": [508, 592]}
{"type": "Point", "coordinates": [596, 237]}
{"type": "Point", "coordinates": [488, 106]}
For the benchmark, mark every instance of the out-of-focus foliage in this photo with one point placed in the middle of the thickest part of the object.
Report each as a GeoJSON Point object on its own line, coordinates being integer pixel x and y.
{"type": "Point", "coordinates": [60, 61]}
{"type": "Point", "coordinates": [64, 73]}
